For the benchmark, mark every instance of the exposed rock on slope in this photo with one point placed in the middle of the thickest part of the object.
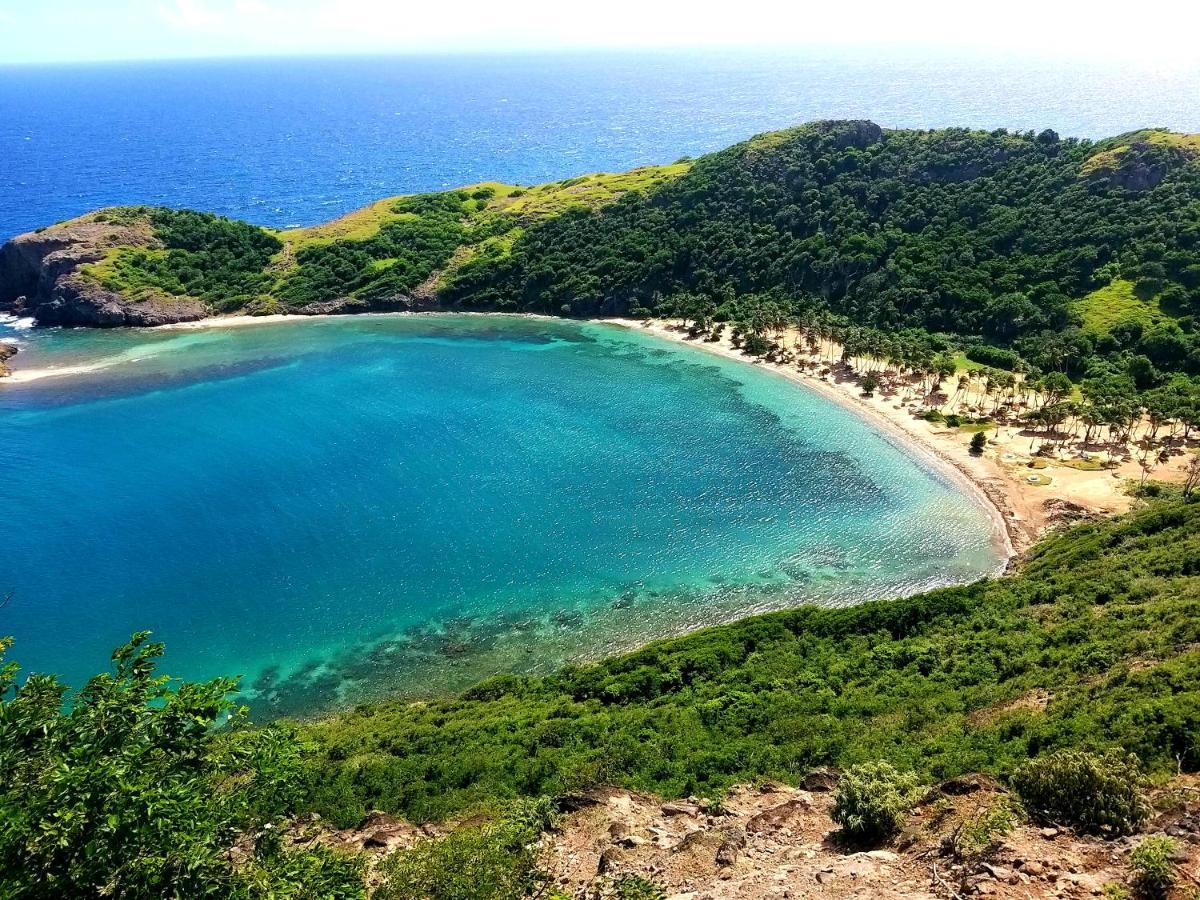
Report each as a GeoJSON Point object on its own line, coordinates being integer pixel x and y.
{"type": "Point", "coordinates": [7, 352]}
{"type": "Point", "coordinates": [40, 276]}
{"type": "Point", "coordinates": [774, 842]}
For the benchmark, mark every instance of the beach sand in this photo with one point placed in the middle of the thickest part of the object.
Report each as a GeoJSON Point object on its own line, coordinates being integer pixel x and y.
{"type": "Point", "coordinates": [1000, 474]}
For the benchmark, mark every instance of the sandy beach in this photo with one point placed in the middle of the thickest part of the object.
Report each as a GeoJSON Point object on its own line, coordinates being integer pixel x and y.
{"type": "Point", "coordinates": [1001, 475]}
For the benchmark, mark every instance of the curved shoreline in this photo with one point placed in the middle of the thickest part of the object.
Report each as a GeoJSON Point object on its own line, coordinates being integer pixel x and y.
{"type": "Point", "coordinates": [1009, 537]}
{"type": "Point", "coordinates": [1016, 524]}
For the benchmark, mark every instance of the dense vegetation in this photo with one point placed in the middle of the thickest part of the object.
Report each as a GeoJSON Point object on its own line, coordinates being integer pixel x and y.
{"type": "Point", "coordinates": [131, 793]}
{"type": "Point", "coordinates": [1092, 645]}
{"type": "Point", "coordinates": [1029, 250]}
{"type": "Point", "coordinates": [218, 260]}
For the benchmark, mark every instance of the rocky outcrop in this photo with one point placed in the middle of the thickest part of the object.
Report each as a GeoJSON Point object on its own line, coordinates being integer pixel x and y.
{"type": "Point", "coordinates": [860, 133]}
{"type": "Point", "coordinates": [40, 276]}
{"type": "Point", "coordinates": [1135, 167]}
{"type": "Point", "coordinates": [7, 352]}
{"type": "Point", "coordinates": [771, 842]}
{"type": "Point", "coordinates": [350, 305]}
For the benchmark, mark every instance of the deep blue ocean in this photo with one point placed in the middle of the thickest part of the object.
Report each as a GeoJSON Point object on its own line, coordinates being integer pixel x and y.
{"type": "Point", "coordinates": [295, 142]}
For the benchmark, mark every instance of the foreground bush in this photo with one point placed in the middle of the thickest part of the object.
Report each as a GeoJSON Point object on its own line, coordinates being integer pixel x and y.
{"type": "Point", "coordinates": [496, 861]}
{"type": "Point", "coordinates": [132, 793]}
{"type": "Point", "coordinates": [873, 800]}
{"type": "Point", "coordinates": [1152, 866]}
{"type": "Point", "coordinates": [1092, 793]}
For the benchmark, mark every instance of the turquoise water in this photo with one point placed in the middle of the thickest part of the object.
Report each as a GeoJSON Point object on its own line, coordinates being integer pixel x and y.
{"type": "Point", "coordinates": [336, 508]}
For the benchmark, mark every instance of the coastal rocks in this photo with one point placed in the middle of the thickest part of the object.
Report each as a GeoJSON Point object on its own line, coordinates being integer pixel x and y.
{"type": "Point", "coordinates": [75, 301]}
{"type": "Point", "coordinates": [7, 352]}
{"type": "Point", "coordinates": [40, 276]}
{"type": "Point", "coordinates": [350, 305]}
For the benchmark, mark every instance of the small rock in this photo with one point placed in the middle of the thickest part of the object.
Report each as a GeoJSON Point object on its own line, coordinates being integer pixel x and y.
{"type": "Point", "coordinates": [1032, 867]}
{"type": "Point", "coordinates": [1000, 873]}
{"type": "Point", "coordinates": [631, 841]}
{"type": "Point", "coordinates": [826, 877]}
{"type": "Point", "coordinates": [680, 809]}
{"type": "Point", "coordinates": [886, 856]}
{"type": "Point", "coordinates": [1049, 833]}
{"type": "Point", "coordinates": [735, 840]}
{"type": "Point", "coordinates": [820, 781]}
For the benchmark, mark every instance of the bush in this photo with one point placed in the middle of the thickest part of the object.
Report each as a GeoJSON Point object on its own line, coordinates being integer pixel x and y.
{"type": "Point", "coordinates": [133, 792]}
{"type": "Point", "coordinates": [981, 834]}
{"type": "Point", "coordinates": [1092, 793]}
{"type": "Point", "coordinates": [496, 861]}
{"type": "Point", "coordinates": [634, 887]}
{"type": "Point", "coordinates": [998, 357]}
{"type": "Point", "coordinates": [1152, 866]}
{"type": "Point", "coordinates": [873, 800]}
{"type": "Point", "coordinates": [978, 442]}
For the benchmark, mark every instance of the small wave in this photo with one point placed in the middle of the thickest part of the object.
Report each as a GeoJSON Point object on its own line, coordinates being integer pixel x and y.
{"type": "Point", "coordinates": [16, 323]}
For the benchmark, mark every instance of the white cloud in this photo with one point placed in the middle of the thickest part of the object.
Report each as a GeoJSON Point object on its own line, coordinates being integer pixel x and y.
{"type": "Point", "coordinates": [1158, 29]}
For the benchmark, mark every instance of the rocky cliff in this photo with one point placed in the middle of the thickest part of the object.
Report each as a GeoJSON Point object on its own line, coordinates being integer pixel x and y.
{"type": "Point", "coordinates": [40, 276]}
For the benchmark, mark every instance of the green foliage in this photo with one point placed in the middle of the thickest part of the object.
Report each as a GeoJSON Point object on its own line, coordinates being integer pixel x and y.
{"type": "Point", "coordinates": [634, 887]}
{"type": "Point", "coordinates": [873, 800]}
{"type": "Point", "coordinates": [130, 792]}
{"type": "Point", "coordinates": [493, 861]}
{"type": "Point", "coordinates": [1152, 866]}
{"type": "Point", "coordinates": [396, 259]}
{"type": "Point", "coordinates": [218, 260]}
{"type": "Point", "coordinates": [978, 442]}
{"type": "Point", "coordinates": [1104, 619]}
{"type": "Point", "coordinates": [1090, 792]}
{"type": "Point", "coordinates": [988, 235]}
{"type": "Point", "coordinates": [982, 833]}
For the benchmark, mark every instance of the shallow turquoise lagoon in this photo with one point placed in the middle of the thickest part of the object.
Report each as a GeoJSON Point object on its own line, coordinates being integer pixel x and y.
{"type": "Point", "coordinates": [342, 507]}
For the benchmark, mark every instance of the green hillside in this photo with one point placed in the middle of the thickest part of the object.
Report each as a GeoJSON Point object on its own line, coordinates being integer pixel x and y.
{"type": "Point", "coordinates": [1020, 241]}
{"type": "Point", "coordinates": [142, 785]}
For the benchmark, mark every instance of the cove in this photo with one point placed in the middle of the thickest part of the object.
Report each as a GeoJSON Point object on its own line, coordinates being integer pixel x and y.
{"type": "Point", "coordinates": [342, 508]}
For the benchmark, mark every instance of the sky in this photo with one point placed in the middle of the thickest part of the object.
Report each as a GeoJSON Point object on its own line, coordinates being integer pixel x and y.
{"type": "Point", "coordinates": [55, 31]}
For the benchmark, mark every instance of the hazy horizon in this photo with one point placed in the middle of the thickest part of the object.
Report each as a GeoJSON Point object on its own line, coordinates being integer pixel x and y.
{"type": "Point", "coordinates": [78, 31]}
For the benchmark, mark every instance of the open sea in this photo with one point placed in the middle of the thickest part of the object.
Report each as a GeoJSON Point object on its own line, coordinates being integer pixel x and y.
{"type": "Point", "coordinates": [296, 142]}
{"type": "Point", "coordinates": [341, 508]}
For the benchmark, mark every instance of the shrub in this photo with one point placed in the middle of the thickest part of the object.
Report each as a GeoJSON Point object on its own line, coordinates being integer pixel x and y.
{"type": "Point", "coordinates": [496, 861]}
{"type": "Point", "coordinates": [1152, 867]}
{"type": "Point", "coordinates": [634, 887]}
{"type": "Point", "coordinates": [873, 799]}
{"type": "Point", "coordinates": [1093, 793]}
{"type": "Point", "coordinates": [978, 442]}
{"type": "Point", "coordinates": [133, 792]}
{"type": "Point", "coordinates": [980, 834]}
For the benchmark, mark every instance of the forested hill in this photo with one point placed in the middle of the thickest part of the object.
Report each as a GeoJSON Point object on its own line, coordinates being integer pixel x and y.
{"type": "Point", "coordinates": [1058, 248]}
